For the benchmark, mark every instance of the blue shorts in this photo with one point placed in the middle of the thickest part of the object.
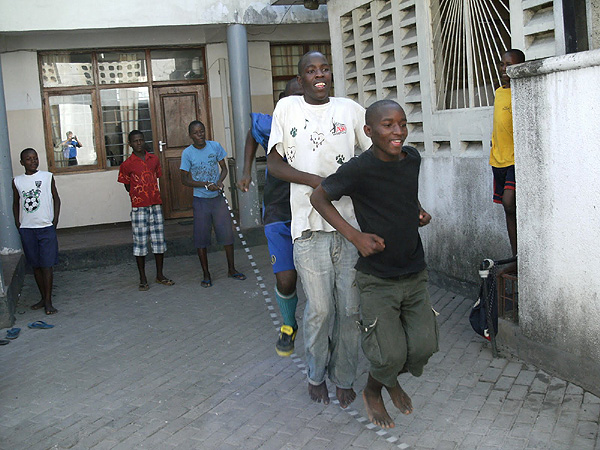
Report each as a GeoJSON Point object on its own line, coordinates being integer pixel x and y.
{"type": "Point", "coordinates": [281, 247]}
{"type": "Point", "coordinates": [212, 213]}
{"type": "Point", "coordinates": [504, 178]}
{"type": "Point", "coordinates": [40, 246]}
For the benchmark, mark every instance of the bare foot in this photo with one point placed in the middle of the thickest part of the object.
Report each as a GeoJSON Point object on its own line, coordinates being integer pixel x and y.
{"type": "Point", "coordinates": [39, 305]}
{"type": "Point", "coordinates": [51, 310]}
{"type": "Point", "coordinates": [345, 396]}
{"type": "Point", "coordinates": [319, 393]}
{"type": "Point", "coordinates": [400, 399]}
{"type": "Point", "coordinates": [376, 411]}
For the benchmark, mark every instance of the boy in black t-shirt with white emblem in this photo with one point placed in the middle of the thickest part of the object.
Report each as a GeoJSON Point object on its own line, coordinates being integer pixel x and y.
{"type": "Point", "coordinates": [399, 329]}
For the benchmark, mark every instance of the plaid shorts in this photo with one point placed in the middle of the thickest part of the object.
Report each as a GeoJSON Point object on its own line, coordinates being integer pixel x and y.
{"type": "Point", "coordinates": [148, 220]}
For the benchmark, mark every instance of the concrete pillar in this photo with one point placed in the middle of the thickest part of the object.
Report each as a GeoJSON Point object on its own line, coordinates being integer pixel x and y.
{"type": "Point", "coordinates": [239, 80]}
{"type": "Point", "coordinates": [10, 242]}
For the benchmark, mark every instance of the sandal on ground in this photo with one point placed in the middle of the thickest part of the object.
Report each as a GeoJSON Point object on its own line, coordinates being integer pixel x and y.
{"type": "Point", "coordinates": [13, 333]}
{"type": "Point", "coordinates": [165, 281]}
{"type": "Point", "coordinates": [143, 287]}
{"type": "Point", "coordinates": [4, 341]}
{"type": "Point", "coordinates": [40, 324]}
{"type": "Point", "coordinates": [238, 276]}
{"type": "Point", "coordinates": [206, 283]}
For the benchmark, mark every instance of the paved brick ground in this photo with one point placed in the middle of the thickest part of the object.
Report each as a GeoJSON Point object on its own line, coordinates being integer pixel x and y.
{"type": "Point", "coordinates": [190, 368]}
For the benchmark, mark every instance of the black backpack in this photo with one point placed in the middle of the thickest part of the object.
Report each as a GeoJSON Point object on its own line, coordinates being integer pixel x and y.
{"type": "Point", "coordinates": [479, 314]}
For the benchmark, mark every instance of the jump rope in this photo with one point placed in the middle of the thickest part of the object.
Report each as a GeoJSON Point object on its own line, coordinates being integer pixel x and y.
{"type": "Point", "coordinates": [298, 361]}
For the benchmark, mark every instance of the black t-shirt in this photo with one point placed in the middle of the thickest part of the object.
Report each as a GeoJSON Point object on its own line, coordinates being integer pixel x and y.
{"type": "Point", "coordinates": [386, 203]}
{"type": "Point", "coordinates": [276, 198]}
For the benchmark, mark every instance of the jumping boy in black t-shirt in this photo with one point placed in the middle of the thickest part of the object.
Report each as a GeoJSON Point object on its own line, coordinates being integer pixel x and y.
{"type": "Point", "coordinates": [399, 329]}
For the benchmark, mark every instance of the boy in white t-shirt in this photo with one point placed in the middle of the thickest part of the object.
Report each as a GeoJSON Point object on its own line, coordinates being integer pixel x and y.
{"type": "Point", "coordinates": [316, 134]}
{"type": "Point", "coordinates": [36, 207]}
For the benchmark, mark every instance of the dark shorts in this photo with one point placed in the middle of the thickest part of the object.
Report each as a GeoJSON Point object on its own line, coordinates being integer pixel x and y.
{"type": "Point", "coordinates": [40, 246]}
{"type": "Point", "coordinates": [399, 329]}
{"type": "Point", "coordinates": [504, 178]}
{"type": "Point", "coordinates": [281, 247]}
{"type": "Point", "coordinates": [212, 213]}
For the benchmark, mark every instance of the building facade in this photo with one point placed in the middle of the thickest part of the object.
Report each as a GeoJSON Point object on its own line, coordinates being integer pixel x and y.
{"type": "Point", "coordinates": [100, 73]}
{"type": "Point", "coordinates": [438, 59]}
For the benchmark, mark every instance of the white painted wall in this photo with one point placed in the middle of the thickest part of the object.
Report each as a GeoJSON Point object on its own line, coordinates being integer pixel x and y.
{"type": "Point", "coordinates": [35, 15]}
{"type": "Point", "coordinates": [556, 103]}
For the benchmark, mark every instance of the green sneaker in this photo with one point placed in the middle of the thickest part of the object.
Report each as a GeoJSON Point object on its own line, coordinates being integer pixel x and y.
{"type": "Point", "coordinates": [285, 343]}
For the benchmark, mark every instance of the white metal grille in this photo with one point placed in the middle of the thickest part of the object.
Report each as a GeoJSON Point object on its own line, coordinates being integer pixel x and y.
{"type": "Point", "coordinates": [469, 38]}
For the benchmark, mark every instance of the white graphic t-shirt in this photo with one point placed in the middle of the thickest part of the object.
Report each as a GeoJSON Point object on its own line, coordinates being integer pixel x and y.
{"type": "Point", "coordinates": [317, 139]}
{"type": "Point", "coordinates": [36, 202]}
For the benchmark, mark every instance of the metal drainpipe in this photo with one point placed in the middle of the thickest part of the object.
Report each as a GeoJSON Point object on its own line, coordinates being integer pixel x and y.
{"type": "Point", "coordinates": [239, 80]}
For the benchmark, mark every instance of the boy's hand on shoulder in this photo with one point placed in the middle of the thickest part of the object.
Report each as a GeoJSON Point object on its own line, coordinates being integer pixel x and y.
{"type": "Point", "coordinates": [368, 244]}
{"type": "Point", "coordinates": [424, 218]}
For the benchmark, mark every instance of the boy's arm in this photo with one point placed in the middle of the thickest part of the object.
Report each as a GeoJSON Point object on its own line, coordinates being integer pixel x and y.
{"type": "Point", "coordinates": [282, 170]}
{"type": "Point", "coordinates": [56, 200]}
{"type": "Point", "coordinates": [219, 186]}
{"type": "Point", "coordinates": [16, 205]}
{"type": "Point", "coordinates": [424, 216]}
{"type": "Point", "coordinates": [366, 243]}
{"type": "Point", "coordinates": [249, 155]}
{"type": "Point", "coordinates": [187, 180]}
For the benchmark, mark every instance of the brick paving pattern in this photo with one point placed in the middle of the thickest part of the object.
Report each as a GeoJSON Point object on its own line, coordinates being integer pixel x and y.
{"type": "Point", "coordinates": [184, 367]}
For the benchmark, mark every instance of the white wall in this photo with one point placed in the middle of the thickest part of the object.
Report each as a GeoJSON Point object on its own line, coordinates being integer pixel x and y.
{"type": "Point", "coordinates": [556, 103]}
{"type": "Point", "coordinates": [34, 15]}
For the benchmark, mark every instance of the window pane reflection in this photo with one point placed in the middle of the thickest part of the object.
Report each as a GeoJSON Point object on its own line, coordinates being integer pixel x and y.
{"type": "Point", "coordinates": [71, 120]}
{"type": "Point", "coordinates": [168, 65]}
{"type": "Point", "coordinates": [67, 70]}
{"type": "Point", "coordinates": [124, 110]}
{"type": "Point", "coordinates": [126, 67]}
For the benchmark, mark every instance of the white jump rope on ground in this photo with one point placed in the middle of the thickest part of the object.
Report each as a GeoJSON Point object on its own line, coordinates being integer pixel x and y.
{"type": "Point", "coordinates": [298, 361]}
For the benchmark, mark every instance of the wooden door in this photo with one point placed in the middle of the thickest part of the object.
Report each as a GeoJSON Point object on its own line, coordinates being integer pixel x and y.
{"type": "Point", "coordinates": [175, 108]}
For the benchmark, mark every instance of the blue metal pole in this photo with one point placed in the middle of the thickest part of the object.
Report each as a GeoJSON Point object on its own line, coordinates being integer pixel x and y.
{"type": "Point", "coordinates": [239, 80]}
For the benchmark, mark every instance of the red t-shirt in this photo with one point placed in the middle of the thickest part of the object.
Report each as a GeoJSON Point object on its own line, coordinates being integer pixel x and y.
{"type": "Point", "coordinates": [140, 175]}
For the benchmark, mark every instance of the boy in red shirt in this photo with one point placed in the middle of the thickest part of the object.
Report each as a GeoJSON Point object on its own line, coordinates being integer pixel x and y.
{"type": "Point", "coordinates": [139, 173]}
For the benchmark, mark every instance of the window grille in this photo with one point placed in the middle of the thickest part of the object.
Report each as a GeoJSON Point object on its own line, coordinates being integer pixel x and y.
{"type": "Point", "coordinates": [469, 39]}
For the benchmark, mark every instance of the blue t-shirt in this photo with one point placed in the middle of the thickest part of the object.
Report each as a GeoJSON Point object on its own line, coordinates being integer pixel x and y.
{"type": "Point", "coordinates": [203, 165]}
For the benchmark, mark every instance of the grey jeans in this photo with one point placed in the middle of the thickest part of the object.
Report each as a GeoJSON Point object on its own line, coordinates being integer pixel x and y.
{"type": "Point", "coordinates": [325, 262]}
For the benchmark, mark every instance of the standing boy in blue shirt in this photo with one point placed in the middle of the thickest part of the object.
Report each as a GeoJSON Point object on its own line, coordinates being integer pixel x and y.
{"type": "Point", "coordinates": [398, 326]}
{"type": "Point", "coordinates": [200, 163]}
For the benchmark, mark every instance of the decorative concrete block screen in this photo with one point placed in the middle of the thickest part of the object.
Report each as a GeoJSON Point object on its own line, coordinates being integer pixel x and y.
{"type": "Point", "coordinates": [381, 59]}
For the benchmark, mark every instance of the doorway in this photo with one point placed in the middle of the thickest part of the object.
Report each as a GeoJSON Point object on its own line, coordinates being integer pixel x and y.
{"type": "Point", "coordinates": [175, 107]}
